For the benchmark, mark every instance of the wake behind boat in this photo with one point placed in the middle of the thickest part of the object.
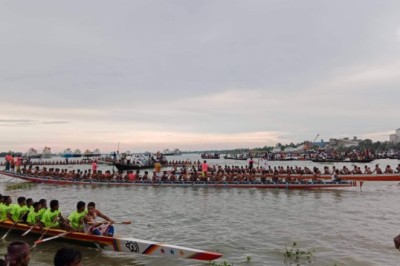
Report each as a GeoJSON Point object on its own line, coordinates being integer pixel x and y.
{"type": "Point", "coordinates": [118, 244]}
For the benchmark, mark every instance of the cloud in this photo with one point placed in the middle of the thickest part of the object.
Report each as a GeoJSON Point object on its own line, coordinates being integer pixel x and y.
{"type": "Point", "coordinates": [25, 122]}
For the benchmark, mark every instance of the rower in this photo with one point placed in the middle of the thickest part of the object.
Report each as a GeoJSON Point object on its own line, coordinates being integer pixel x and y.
{"type": "Point", "coordinates": [35, 216]}
{"type": "Point", "coordinates": [18, 210]}
{"type": "Point", "coordinates": [52, 217]}
{"type": "Point", "coordinates": [29, 202]}
{"type": "Point", "coordinates": [90, 225]}
{"type": "Point", "coordinates": [377, 170]}
{"type": "Point", "coordinates": [335, 176]}
{"type": "Point", "coordinates": [76, 217]}
{"type": "Point", "coordinates": [43, 206]}
{"type": "Point", "coordinates": [5, 207]}
{"type": "Point", "coordinates": [388, 170]}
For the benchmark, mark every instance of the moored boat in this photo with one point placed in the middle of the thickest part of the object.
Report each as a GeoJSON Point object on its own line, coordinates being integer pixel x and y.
{"type": "Point", "coordinates": [118, 244]}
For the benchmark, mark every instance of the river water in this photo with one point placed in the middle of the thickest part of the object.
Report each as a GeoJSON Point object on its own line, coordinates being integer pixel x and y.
{"type": "Point", "coordinates": [249, 226]}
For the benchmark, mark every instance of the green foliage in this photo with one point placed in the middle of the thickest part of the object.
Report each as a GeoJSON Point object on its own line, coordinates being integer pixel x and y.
{"type": "Point", "coordinates": [297, 256]}
{"type": "Point", "coordinates": [224, 263]}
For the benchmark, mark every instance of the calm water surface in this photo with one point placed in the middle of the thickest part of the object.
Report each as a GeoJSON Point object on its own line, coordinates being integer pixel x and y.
{"type": "Point", "coordinates": [344, 227]}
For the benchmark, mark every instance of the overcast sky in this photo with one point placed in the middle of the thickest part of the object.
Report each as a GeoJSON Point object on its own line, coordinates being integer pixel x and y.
{"type": "Point", "coordinates": [196, 75]}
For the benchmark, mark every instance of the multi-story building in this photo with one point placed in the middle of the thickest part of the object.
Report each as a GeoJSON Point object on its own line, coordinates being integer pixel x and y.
{"type": "Point", "coordinates": [395, 138]}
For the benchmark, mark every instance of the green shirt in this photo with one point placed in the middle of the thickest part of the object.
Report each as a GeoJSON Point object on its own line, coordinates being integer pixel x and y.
{"type": "Point", "coordinates": [4, 209]}
{"type": "Point", "coordinates": [49, 218]}
{"type": "Point", "coordinates": [42, 211]}
{"type": "Point", "coordinates": [17, 212]}
{"type": "Point", "coordinates": [75, 219]}
{"type": "Point", "coordinates": [33, 217]}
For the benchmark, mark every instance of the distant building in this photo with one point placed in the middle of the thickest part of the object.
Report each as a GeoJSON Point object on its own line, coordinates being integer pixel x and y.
{"type": "Point", "coordinates": [395, 138]}
{"type": "Point", "coordinates": [344, 143]}
{"type": "Point", "coordinates": [321, 144]}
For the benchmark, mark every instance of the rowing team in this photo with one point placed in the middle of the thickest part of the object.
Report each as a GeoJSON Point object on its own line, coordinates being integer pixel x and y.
{"type": "Point", "coordinates": [36, 214]}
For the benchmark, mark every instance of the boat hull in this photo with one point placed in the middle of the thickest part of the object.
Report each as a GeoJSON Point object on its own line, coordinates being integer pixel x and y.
{"type": "Point", "coordinates": [126, 167]}
{"type": "Point", "coordinates": [267, 185]}
{"type": "Point", "coordinates": [350, 177]}
{"type": "Point", "coordinates": [117, 244]}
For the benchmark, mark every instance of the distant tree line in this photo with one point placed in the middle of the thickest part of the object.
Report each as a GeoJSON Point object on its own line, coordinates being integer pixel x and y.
{"type": "Point", "coordinates": [367, 144]}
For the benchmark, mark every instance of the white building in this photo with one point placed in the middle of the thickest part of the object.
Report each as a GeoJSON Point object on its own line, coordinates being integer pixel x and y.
{"type": "Point", "coordinates": [345, 143]}
{"type": "Point", "coordinates": [395, 138]}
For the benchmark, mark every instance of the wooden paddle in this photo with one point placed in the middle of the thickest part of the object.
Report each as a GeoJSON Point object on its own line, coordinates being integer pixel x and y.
{"type": "Point", "coordinates": [41, 237]}
{"type": "Point", "coordinates": [106, 222]}
{"type": "Point", "coordinates": [27, 231]}
{"type": "Point", "coordinates": [9, 230]}
{"type": "Point", "coordinates": [123, 222]}
{"type": "Point", "coordinates": [51, 238]}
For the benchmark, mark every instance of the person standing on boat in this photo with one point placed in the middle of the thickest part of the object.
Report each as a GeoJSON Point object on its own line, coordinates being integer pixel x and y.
{"type": "Point", "coordinates": [94, 167]}
{"type": "Point", "coordinates": [7, 158]}
{"type": "Point", "coordinates": [91, 226]}
{"type": "Point", "coordinates": [76, 217]}
{"type": "Point", "coordinates": [18, 164]}
{"type": "Point", "coordinates": [263, 164]}
{"type": "Point", "coordinates": [204, 169]}
{"type": "Point", "coordinates": [251, 163]}
{"type": "Point", "coordinates": [157, 169]}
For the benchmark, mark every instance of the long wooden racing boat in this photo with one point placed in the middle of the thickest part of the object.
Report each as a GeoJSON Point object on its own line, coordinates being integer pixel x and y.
{"type": "Point", "coordinates": [349, 177]}
{"type": "Point", "coordinates": [256, 184]}
{"type": "Point", "coordinates": [118, 244]}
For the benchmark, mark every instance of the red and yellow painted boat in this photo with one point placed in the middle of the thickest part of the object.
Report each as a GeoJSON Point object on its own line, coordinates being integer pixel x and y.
{"type": "Point", "coordinates": [350, 177]}
{"type": "Point", "coordinates": [118, 244]}
{"type": "Point", "coordinates": [223, 184]}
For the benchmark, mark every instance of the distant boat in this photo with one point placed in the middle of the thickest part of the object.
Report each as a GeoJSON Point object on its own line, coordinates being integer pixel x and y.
{"type": "Point", "coordinates": [46, 153]}
{"type": "Point", "coordinates": [95, 153]}
{"type": "Point", "coordinates": [241, 157]}
{"type": "Point", "coordinates": [332, 160]}
{"type": "Point", "coordinates": [77, 153]}
{"type": "Point", "coordinates": [135, 162]}
{"type": "Point", "coordinates": [67, 153]}
{"type": "Point", "coordinates": [167, 152]}
{"type": "Point", "coordinates": [32, 154]}
{"type": "Point", "coordinates": [210, 156]}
